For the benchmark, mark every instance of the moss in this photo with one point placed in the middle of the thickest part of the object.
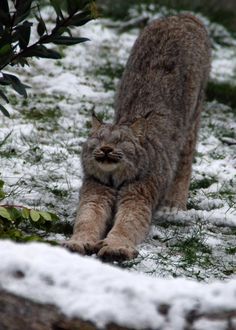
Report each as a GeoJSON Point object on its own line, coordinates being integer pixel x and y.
{"type": "Point", "coordinates": [222, 92]}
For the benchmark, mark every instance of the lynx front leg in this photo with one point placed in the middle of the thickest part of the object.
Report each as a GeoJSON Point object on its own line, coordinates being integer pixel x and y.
{"type": "Point", "coordinates": [132, 221]}
{"type": "Point", "coordinates": [93, 216]}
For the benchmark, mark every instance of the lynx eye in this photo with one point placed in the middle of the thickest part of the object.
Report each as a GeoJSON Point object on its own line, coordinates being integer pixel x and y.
{"type": "Point", "coordinates": [115, 140]}
{"type": "Point", "coordinates": [115, 137]}
{"type": "Point", "coordinates": [127, 146]}
{"type": "Point", "coordinates": [93, 142]}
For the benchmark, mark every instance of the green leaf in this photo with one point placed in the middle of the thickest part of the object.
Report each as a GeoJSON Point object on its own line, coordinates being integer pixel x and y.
{"type": "Point", "coordinates": [25, 213]}
{"type": "Point", "coordinates": [2, 194]}
{"type": "Point", "coordinates": [1, 184]}
{"type": "Point", "coordinates": [5, 49]}
{"type": "Point", "coordinates": [14, 234]}
{"type": "Point", "coordinates": [71, 6]}
{"type": "Point", "coordinates": [68, 40]}
{"type": "Point", "coordinates": [3, 96]}
{"type": "Point", "coordinates": [5, 17]}
{"type": "Point", "coordinates": [33, 238]}
{"type": "Point", "coordinates": [35, 216]}
{"type": "Point", "coordinates": [41, 28]}
{"type": "Point", "coordinates": [47, 216]}
{"type": "Point", "coordinates": [16, 84]}
{"type": "Point", "coordinates": [23, 34]}
{"type": "Point", "coordinates": [42, 51]}
{"type": "Point", "coordinates": [4, 213]}
{"type": "Point", "coordinates": [75, 5]}
{"type": "Point", "coordinates": [80, 19]}
{"type": "Point", "coordinates": [54, 217]}
{"type": "Point", "coordinates": [4, 111]}
{"type": "Point", "coordinates": [14, 213]}
{"type": "Point", "coordinates": [4, 81]}
{"type": "Point", "coordinates": [22, 10]}
{"type": "Point", "coordinates": [4, 6]}
{"type": "Point", "coordinates": [57, 7]}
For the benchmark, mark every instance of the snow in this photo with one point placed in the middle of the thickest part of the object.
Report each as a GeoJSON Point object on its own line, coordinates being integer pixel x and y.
{"type": "Point", "coordinates": [86, 288]}
{"type": "Point", "coordinates": [46, 159]}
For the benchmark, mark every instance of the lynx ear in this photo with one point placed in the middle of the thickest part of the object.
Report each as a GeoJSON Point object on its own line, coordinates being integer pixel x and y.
{"type": "Point", "coordinates": [139, 127]}
{"type": "Point", "coordinates": [96, 123]}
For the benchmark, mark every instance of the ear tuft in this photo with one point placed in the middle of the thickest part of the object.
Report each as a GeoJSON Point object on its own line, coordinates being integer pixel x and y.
{"type": "Point", "coordinates": [96, 123]}
{"type": "Point", "coordinates": [139, 127]}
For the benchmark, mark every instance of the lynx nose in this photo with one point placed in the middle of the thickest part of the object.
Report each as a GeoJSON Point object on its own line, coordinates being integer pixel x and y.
{"type": "Point", "coordinates": [106, 149]}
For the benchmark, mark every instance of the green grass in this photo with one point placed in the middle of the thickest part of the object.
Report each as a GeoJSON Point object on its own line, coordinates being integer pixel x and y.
{"type": "Point", "coordinates": [231, 250]}
{"type": "Point", "coordinates": [215, 10]}
{"type": "Point", "coordinates": [43, 115]}
{"type": "Point", "coordinates": [8, 153]}
{"type": "Point", "coordinates": [191, 248]}
{"type": "Point", "coordinates": [202, 183]}
{"type": "Point", "coordinates": [59, 192]}
{"type": "Point", "coordinates": [109, 73]}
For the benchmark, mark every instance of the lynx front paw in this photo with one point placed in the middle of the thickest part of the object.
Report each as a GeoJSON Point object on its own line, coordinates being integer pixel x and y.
{"type": "Point", "coordinates": [112, 251]}
{"type": "Point", "coordinates": [79, 246]}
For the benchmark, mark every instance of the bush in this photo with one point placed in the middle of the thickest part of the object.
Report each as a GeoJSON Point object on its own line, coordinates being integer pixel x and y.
{"type": "Point", "coordinates": [15, 35]}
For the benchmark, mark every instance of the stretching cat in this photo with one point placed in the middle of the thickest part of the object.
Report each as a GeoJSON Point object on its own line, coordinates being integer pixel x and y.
{"type": "Point", "coordinates": [143, 160]}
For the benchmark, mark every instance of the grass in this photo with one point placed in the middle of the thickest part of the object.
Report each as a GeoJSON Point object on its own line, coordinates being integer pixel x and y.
{"type": "Point", "coordinates": [43, 115]}
{"type": "Point", "coordinates": [8, 152]}
{"type": "Point", "coordinates": [109, 73]}
{"type": "Point", "coordinates": [191, 249]}
{"type": "Point", "coordinates": [231, 250]}
{"type": "Point", "coordinates": [203, 183]}
{"type": "Point", "coordinates": [223, 92]}
{"type": "Point", "coordinates": [215, 10]}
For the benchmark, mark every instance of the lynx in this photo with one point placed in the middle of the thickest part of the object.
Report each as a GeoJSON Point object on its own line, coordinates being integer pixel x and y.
{"type": "Point", "coordinates": [143, 159]}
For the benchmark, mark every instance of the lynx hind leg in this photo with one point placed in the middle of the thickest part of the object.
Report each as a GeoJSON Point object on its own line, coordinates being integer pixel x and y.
{"type": "Point", "coordinates": [177, 195]}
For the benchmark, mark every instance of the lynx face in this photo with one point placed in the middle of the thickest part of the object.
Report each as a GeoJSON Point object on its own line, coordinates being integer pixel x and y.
{"type": "Point", "coordinates": [113, 152]}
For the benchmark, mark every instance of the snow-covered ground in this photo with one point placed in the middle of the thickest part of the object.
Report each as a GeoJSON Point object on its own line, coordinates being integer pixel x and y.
{"type": "Point", "coordinates": [40, 164]}
{"type": "Point", "coordinates": [86, 288]}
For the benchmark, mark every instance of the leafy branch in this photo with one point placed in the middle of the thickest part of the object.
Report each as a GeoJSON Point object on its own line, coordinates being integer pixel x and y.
{"type": "Point", "coordinates": [18, 222]}
{"type": "Point", "coordinates": [15, 35]}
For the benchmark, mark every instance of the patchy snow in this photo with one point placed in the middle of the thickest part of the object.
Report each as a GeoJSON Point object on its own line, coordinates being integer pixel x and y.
{"type": "Point", "coordinates": [86, 288]}
{"type": "Point", "coordinates": [223, 67]}
{"type": "Point", "coordinates": [40, 161]}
